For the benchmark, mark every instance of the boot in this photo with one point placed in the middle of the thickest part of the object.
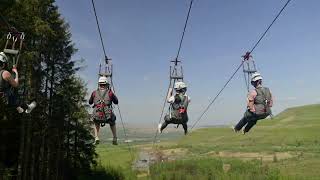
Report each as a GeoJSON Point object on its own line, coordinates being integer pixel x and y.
{"type": "Point", "coordinates": [115, 141]}
{"type": "Point", "coordinates": [31, 106]}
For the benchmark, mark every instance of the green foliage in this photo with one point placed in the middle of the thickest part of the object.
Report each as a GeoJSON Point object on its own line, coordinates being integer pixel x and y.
{"type": "Point", "coordinates": [117, 157]}
{"type": "Point", "coordinates": [294, 132]}
{"type": "Point", "coordinates": [55, 139]}
{"type": "Point", "coordinates": [212, 169]}
{"type": "Point", "coordinates": [102, 172]}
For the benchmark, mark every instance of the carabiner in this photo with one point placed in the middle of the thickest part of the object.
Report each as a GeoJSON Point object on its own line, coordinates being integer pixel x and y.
{"type": "Point", "coordinates": [15, 39]}
{"type": "Point", "coordinates": [9, 36]}
{"type": "Point", "coordinates": [22, 36]}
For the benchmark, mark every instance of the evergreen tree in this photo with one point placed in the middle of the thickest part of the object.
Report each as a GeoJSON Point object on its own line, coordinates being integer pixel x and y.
{"type": "Point", "coordinates": [54, 142]}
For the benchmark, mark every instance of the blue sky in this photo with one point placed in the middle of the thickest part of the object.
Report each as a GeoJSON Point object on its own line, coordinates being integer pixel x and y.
{"type": "Point", "coordinates": [142, 36]}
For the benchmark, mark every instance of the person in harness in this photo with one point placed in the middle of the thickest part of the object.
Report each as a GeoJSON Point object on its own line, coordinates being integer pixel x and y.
{"type": "Point", "coordinates": [259, 105]}
{"type": "Point", "coordinates": [7, 96]}
{"type": "Point", "coordinates": [178, 107]}
{"type": "Point", "coordinates": [102, 100]}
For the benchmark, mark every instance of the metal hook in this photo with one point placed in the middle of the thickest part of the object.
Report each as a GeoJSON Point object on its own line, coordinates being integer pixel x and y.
{"type": "Point", "coordinates": [9, 36]}
{"type": "Point", "coordinates": [22, 36]}
{"type": "Point", "coordinates": [14, 39]}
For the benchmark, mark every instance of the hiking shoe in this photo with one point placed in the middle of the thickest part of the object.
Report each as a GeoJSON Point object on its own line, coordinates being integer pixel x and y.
{"type": "Point", "coordinates": [243, 132]}
{"type": "Point", "coordinates": [96, 141]}
{"type": "Point", "coordinates": [115, 141]}
{"type": "Point", "coordinates": [234, 129]}
{"type": "Point", "coordinates": [20, 110]}
{"type": "Point", "coordinates": [31, 106]}
{"type": "Point", "coordinates": [159, 128]}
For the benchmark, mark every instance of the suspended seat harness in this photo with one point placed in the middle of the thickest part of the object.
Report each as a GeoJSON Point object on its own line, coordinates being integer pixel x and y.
{"type": "Point", "coordinates": [262, 101]}
{"type": "Point", "coordinates": [103, 110]}
{"type": "Point", "coordinates": [178, 109]}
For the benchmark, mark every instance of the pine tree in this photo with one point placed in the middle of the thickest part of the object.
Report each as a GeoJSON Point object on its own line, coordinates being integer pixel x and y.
{"type": "Point", "coordinates": [54, 142]}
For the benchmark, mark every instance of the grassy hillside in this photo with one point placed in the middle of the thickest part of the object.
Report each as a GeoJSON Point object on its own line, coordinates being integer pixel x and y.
{"type": "Point", "coordinates": [285, 147]}
{"type": "Point", "coordinates": [290, 143]}
{"type": "Point", "coordinates": [296, 129]}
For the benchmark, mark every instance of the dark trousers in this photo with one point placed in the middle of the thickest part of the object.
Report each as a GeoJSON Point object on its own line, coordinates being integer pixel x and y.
{"type": "Point", "coordinates": [167, 121]}
{"type": "Point", "coordinates": [12, 101]}
{"type": "Point", "coordinates": [249, 120]}
{"type": "Point", "coordinates": [111, 122]}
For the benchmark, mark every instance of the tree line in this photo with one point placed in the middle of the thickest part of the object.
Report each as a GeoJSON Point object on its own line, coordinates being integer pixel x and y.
{"type": "Point", "coordinates": [54, 141]}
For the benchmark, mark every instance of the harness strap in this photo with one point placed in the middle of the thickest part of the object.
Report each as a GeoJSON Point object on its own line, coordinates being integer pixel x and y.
{"type": "Point", "coordinates": [101, 97]}
{"type": "Point", "coordinates": [266, 100]}
{"type": "Point", "coordinates": [2, 81]}
{"type": "Point", "coordinates": [264, 96]}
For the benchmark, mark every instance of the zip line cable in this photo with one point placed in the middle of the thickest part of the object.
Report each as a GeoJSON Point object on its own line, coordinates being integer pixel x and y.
{"type": "Point", "coordinates": [123, 126]}
{"type": "Point", "coordinates": [183, 33]}
{"type": "Point", "coordinates": [219, 93]}
{"type": "Point", "coordinates": [9, 26]}
{"type": "Point", "coordinates": [99, 30]}
{"type": "Point", "coordinates": [5, 21]}
{"type": "Point", "coordinates": [162, 112]}
{"type": "Point", "coordinates": [245, 58]}
{"type": "Point", "coordinates": [274, 20]}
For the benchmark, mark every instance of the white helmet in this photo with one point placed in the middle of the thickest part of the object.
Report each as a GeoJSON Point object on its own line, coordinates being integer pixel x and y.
{"type": "Point", "coordinates": [103, 80]}
{"type": "Point", "coordinates": [3, 57]}
{"type": "Point", "coordinates": [179, 85]}
{"type": "Point", "coordinates": [255, 77]}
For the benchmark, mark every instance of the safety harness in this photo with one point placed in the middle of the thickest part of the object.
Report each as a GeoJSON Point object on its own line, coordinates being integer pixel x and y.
{"type": "Point", "coordinates": [178, 109]}
{"type": "Point", "coordinates": [102, 107]}
{"type": "Point", "coordinates": [262, 101]}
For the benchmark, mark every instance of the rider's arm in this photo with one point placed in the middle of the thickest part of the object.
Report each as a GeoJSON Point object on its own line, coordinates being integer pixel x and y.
{"type": "Point", "coordinates": [114, 98]}
{"type": "Point", "coordinates": [186, 102]}
{"type": "Point", "coordinates": [8, 77]}
{"type": "Point", "coordinates": [189, 99]}
{"type": "Point", "coordinates": [250, 104]}
{"type": "Point", "coordinates": [91, 98]}
{"type": "Point", "coordinates": [170, 98]}
{"type": "Point", "coordinates": [271, 101]}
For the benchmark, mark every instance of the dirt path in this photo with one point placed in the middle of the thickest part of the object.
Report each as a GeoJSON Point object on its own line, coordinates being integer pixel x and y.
{"type": "Point", "coordinates": [148, 156]}
{"type": "Point", "coordinates": [264, 156]}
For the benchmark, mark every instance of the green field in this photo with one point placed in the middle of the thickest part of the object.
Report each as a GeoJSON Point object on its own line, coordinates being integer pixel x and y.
{"type": "Point", "coordinates": [285, 147]}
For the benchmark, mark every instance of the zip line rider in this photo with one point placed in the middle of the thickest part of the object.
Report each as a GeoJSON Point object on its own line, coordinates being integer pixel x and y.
{"type": "Point", "coordinates": [178, 107]}
{"type": "Point", "coordinates": [259, 105]}
{"type": "Point", "coordinates": [7, 96]}
{"type": "Point", "coordinates": [102, 100]}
